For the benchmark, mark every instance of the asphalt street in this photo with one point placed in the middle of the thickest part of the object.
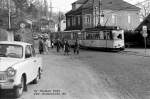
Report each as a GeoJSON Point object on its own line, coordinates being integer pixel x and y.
{"type": "Point", "coordinates": [91, 75]}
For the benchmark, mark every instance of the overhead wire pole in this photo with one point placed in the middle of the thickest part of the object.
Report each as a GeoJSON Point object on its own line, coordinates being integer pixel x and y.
{"type": "Point", "coordinates": [93, 13]}
{"type": "Point", "coordinates": [99, 14]}
{"type": "Point", "coordinates": [51, 10]}
{"type": "Point", "coordinates": [9, 16]}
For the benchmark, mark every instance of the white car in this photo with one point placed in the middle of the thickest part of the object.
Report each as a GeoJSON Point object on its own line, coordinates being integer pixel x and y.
{"type": "Point", "coordinates": [19, 66]}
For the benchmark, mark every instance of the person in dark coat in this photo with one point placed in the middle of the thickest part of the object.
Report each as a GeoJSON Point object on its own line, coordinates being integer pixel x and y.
{"type": "Point", "coordinates": [52, 44]}
{"type": "Point", "coordinates": [66, 48]}
{"type": "Point", "coordinates": [41, 46]}
{"type": "Point", "coordinates": [58, 45]}
{"type": "Point", "coordinates": [76, 47]}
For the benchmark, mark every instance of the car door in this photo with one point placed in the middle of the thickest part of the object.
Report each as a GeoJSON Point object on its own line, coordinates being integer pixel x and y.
{"type": "Point", "coordinates": [29, 63]}
{"type": "Point", "coordinates": [35, 61]}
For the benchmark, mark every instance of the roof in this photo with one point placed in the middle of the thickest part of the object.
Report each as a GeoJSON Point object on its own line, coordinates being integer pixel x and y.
{"type": "Point", "coordinates": [106, 4]}
{"type": "Point", "coordinates": [112, 4]}
{"type": "Point", "coordinates": [74, 12]}
{"type": "Point", "coordinates": [15, 42]}
{"type": "Point", "coordinates": [80, 1]}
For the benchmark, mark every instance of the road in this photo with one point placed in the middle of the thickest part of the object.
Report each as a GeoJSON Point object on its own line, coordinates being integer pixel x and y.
{"type": "Point", "coordinates": [92, 75]}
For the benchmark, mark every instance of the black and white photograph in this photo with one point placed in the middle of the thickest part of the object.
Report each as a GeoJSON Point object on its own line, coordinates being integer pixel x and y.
{"type": "Point", "coordinates": [74, 49]}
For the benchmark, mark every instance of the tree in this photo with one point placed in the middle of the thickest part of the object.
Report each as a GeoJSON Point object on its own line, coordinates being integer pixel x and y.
{"type": "Point", "coordinates": [21, 4]}
{"type": "Point", "coordinates": [145, 9]}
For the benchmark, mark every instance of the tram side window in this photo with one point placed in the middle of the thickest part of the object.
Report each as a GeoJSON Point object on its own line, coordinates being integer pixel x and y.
{"type": "Point", "coordinates": [87, 36]}
{"type": "Point", "coordinates": [80, 36]}
{"type": "Point", "coordinates": [97, 36]}
{"type": "Point", "coordinates": [109, 35]}
{"type": "Point", "coordinates": [101, 34]}
{"type": "Point", "coordinates": [74, 36]}
{"type": "Point", "coordinates": [105, 35]}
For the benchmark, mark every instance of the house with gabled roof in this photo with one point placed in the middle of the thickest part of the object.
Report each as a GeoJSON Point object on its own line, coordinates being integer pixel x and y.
{"type": "Point", "coordinates": [91, 13]}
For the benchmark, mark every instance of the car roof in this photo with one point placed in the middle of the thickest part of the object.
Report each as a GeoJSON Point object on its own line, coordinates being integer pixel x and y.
{"type": "Point", "coordinates": [15, 43]}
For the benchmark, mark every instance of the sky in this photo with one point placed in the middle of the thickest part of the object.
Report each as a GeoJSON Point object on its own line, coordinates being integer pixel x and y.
{"type": "Point", "coordinates": [65, 5]}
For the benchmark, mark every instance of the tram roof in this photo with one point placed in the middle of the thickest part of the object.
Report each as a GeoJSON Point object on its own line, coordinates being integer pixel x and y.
{"type": "Point", "coordinates": [102, 28]}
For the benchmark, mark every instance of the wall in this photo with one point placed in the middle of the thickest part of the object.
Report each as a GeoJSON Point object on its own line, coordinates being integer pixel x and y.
{"type": "Point", "coordinates": [119, 18]}
{"type": "Point", "coordinates": [6, 36]}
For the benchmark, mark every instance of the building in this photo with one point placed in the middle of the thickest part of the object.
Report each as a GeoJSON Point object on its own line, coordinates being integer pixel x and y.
{"type": "Point", "coordinates": [52, 26]}
{"type": "Point", "coordinates": [6, 35]}
{"type": "Point", "coordinates": [44, 25]}
{"type": "Point", "coordinates": [91, 13]}
{"type": "Point", "coordinates": [63, 25]}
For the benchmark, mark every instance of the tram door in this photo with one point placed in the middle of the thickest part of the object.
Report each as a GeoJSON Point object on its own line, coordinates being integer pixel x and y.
{"type": "Point", "coordinates": [109, 39]}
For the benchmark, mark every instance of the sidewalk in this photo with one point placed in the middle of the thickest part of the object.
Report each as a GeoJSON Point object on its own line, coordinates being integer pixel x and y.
{"type": "Point", "coordinates": [138, 51]}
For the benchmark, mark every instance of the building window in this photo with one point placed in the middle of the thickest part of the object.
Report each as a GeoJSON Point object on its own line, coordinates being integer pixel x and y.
{"type": "Point", "coordinates": [114, 18]}
{"type": "Point", "coordinates": [87, 19]}
{"type": "Point", "coordinates": [73, 21]}
{"type": "Point", "coordinates": [129, 18]}
{"type": "Point", "coordinates": [79, 20]}
{"type": "Point", "coordinates": [68, 22]}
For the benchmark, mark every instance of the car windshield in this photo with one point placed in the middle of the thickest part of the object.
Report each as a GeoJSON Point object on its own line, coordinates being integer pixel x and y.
{"type": "Point", "coordinates": [9, 50]}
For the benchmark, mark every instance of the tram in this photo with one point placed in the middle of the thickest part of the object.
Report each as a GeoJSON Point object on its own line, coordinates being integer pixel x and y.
{"type": "Point", "coordinates": [104, 38]}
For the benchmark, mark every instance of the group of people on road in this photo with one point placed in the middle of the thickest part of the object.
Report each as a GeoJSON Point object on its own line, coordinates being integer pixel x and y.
{"type": "Point", "coordinates": [46, 44]}
{"type": "Point", "coordinates": [66, 47]}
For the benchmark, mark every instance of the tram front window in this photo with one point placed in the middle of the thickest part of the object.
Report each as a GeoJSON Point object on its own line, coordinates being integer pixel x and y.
{"type": "Point", "coordinates": [117, 36]}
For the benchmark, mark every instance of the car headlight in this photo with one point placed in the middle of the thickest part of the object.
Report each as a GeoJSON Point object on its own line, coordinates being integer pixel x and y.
{"type": "Point", "coordinates": [11, 72]}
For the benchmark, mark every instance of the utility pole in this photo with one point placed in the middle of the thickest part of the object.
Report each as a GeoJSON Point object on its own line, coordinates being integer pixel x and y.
{"type": "Point", "coordinates": [51, 9]}
{"type": "Point", "coordinates": [59, 21]}
{"type": "Point", "coordinates": [45, 9]}
{"type": "Point", "coordinates": [9, 16]}
{"type": "Point", "coordinates": [93, 13]}
{"type": "Point", "coordinates": [99, 14]}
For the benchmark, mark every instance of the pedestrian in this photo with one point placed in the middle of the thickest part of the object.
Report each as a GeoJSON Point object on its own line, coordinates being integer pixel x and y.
{"type": "Point", "coordinates": [52, 44]}
{"type": "Point", "coordinates": [48, 42]}
{"type": "Point", "coordinates": [41, 49]}
{"type": "Point", "coordinates": [58, 45]}
{"type": "Point", "coordinates": [66, 48]}
{"type": "Point", "coordinates": [45, 46]}
{"type": "Point", "coordinates": [62, 44]}
{"type": "Point", "coordinates": [76, 47]}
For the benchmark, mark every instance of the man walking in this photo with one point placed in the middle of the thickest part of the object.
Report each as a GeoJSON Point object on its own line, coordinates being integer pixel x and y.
{"type": "Point", "coordinates": [58, 45]}
{"type": "Point", "coordinates": [66, 48]}
{"type": "Point", "coordinates": [48, 42]}
{"type": "Point", "coordinates": [41, 46]}
{"type": "Point", "coordinates": [76, 47]}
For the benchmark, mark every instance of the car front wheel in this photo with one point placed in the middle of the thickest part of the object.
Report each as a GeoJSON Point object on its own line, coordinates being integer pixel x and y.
{"type": "Point", "coordinates": [18, 91]}
{"type": "Point", "coordinates": [36, 80]}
